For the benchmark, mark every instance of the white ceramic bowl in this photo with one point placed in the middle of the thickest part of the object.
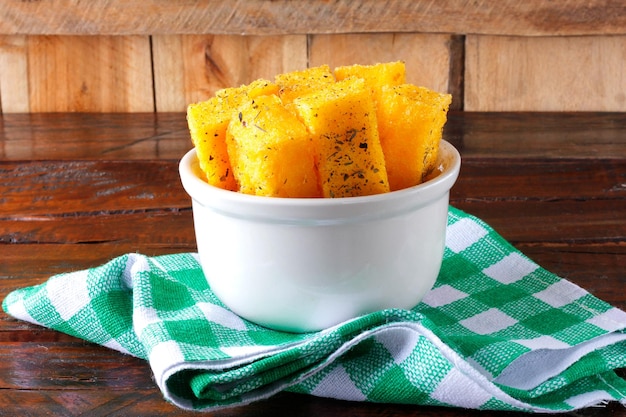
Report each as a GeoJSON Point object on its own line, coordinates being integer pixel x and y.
{"type": "Point", "coordinates": [307, 264]}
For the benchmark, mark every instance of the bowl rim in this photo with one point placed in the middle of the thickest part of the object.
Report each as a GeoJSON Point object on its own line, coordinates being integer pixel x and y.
{"type": "Point", "coordinates": [193, 184]}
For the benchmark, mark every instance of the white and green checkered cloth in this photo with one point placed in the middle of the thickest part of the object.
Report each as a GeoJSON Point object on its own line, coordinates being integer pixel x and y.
{"type": "Point", "coordinates": [496, 332]}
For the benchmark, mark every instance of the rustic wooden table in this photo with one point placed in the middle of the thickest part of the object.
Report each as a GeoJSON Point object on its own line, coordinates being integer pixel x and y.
{"type": "Point", "coordinates": [79, 189]}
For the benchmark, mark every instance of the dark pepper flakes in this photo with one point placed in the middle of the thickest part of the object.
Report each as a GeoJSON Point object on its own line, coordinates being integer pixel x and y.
{"type": "Point", "coordinates": [225, 176]}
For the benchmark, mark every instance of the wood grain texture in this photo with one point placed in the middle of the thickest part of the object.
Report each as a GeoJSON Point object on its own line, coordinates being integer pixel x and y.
{"type": "Point", "coordinates": [141, 56]}
{"type": "Point", "coordinates": [545, 74]}
{"type": "Point", "coordinates": [14, 74]}
{"type": "Point", "coordinates": [165, 136]}
{"type": "Point", "coordinates": [165, 73]}
{"type": "Point", "coordinates": [143, 202]}
{"type": "Point", "coordinates": [554, 185]}
{"type": "Point", "coordinates": [83, 402]}
{"type": "Point", "coordinates": [147, 205]}
{"type": "Point", "coordinates": [76, 73]}
{"type": "Point", "coordinates": [191, 68]}
{"type": "Point", "coordinates": [552, 135]}
{"type": "Point", "coordinates": [71, 136]}
{"type": "Point", "coordinates": [599, 220]}
{"type": "Point", "coordinates": [264, 17]}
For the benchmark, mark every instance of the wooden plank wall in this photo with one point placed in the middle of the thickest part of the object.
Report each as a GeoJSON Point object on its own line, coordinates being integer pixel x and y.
{"type": "Point", "coordinates": [145, 56]}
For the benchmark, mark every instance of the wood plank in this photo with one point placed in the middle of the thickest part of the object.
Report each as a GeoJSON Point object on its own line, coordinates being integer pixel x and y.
{"type": "Point", "coordinates": [90, 136]}
{"type": "Point", "coordinates": [264, 17]}
{"type": "Point", "coordinates": [102, 368]}
{"type": "Point", "coordinates": [545, 74]}
{"type": "Point", "coordinates": [553, 222]}
{"type": "Point", "coordinates": [191, 68]}
{"type": "Point", "coordinates": [490, 179]}
{"type": "Point", "coordinates": [94, 403]}
{"type": "Point", "coordinates": [558, 202]}
{"type": "Point", "coordinates": [49, 192]}
{"type": "Point", "coordinates": [80, 74]}
{"type": "Point", "coordinates": [173, 228]}
{"type": "Point", "coordinates": [13, 74]}
{"type": "Point", "coordinates": [456, 73]}
{"type": "Point", "coordinates": [538, 135]}
{"type": "Point", "coordinates": [427, 57]}
{"type": "Point", "coordinates": [41, 190]}
{"type": "Point", "coordinates": [171, 73]}
{"type": "Point", "coordinates": [142, 136]}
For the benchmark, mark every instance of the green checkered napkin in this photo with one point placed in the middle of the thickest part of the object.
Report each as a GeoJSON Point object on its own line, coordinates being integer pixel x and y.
{"type": "Point", "coordinates": [496, 332]}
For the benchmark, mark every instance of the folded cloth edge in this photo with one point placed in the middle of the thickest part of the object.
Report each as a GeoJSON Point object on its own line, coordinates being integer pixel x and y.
{"type": "Point", "coordinates": [163, 375]}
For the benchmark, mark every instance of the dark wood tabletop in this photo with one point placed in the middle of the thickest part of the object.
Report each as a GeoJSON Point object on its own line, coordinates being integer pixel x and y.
{"type": "Point", "coordinates": [79, 189]}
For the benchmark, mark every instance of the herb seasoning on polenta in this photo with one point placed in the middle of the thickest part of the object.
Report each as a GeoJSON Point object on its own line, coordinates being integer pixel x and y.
{"type": "Point", "coordinates": [348, 145]}
{"type": "Point", "coordinates": [357, 130]}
